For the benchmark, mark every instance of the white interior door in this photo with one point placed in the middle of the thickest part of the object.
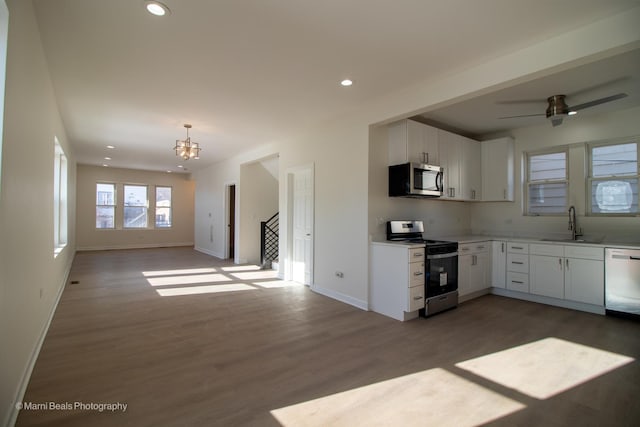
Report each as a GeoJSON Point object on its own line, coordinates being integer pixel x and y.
{"type": "Point", "coordinates": [302, 256]}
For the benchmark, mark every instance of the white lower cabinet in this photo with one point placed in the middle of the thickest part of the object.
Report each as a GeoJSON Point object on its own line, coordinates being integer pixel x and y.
{"type": "Point", "coordinates": [473, 268]}
{"type": "Point", "coordinates": [574, 273]}
{"type": "Point", "coordinates": [397, 279]}
{"type": "Point", "coordinates": [518, 267]}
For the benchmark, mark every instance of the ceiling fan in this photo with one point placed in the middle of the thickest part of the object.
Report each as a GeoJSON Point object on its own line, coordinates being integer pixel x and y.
{"type": "Point", "coordinates": [557, 108]}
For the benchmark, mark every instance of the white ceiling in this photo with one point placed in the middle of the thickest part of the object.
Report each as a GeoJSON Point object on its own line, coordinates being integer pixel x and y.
{"type": "Point", "coordinates": [250, 72]}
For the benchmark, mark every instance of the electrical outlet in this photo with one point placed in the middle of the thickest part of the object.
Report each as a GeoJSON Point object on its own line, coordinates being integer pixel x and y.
{"type": "Point", "coordinates": [339, 274]}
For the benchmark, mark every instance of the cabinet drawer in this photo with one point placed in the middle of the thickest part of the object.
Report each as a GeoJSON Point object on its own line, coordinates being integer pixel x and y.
{"type": "Point", "coordinates": [518, 263]}
{"type": "Point", "coordinates": [548, 250]}
{"type": "Point", "coordinates": [473, 248]}
{"type": "Point", "coordinates": [416, 254]}
{"type": "Point", "coordinates": [416, 298]}
{"type": "Point", "coordinates": [518, 281]}
{"type": "Point", "coordinates": [416, 274]}
{"type": "Point", "coordinates": [518, 248]}
{"type": "Point", "coordinates": [584, 252]}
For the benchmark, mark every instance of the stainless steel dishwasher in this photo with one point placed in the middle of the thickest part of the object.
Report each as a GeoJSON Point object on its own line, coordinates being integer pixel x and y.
{"type": "Point", "coordinates": [622, 281]}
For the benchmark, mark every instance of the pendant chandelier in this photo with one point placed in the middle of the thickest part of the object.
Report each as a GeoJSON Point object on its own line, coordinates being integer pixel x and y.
{"type": "Point", "coordinates": [187, 149]}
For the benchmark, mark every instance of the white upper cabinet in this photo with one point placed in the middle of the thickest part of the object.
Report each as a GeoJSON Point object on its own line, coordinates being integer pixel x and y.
{"type": "Point", "coordinates": [411, 141]}
{"type": "Point", "coordinates": [450, 149]}
{"type": "Point", "coordinates": [470, 172]}
{"type": "Point", "coordinates": [497, 169]}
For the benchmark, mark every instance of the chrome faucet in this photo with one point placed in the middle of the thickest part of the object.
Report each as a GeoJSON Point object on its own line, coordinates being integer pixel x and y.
{"type": "Point", "coordinates": [573, 224]}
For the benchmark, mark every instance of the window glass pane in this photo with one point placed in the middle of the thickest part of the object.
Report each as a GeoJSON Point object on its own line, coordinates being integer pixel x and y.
{"type": "Point", "coordinates": [614, 196]}
{"type": "Point", "coordinates": [105, 194]}
{"type": "Point", "coordinates": [547, 166]}
{"type": "Point", "coordinates": [621, 159]}
{"type": "Point", "coordinates": [135, 206]}
{"type": "Point", "coordinates": [105, 217]}
{"type": "Point", "coordinates": [547, 198]}
{"type": "Point", "coordinates": [163, 206]}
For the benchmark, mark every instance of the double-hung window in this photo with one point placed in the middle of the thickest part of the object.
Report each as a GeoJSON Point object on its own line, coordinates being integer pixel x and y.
{"type": "Point", "coordinates": [135, 206]}
{"type": "Point", "coordinates": [105, 205]}
{"type": "Point", "coordinates": [59, 198]}
{"type": "Point", "coordinates": [613, 178]}
{"type": "Point", "coordinates": [163, 207]}
{"type": "Point", "coordinates": [547, 183]}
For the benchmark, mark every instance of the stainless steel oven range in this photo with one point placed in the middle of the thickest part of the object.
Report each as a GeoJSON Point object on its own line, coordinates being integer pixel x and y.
{"type": "Point", "coordinates": [441, 266]}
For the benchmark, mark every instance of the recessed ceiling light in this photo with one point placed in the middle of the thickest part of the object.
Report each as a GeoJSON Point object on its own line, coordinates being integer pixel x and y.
{"type": "Point", "coordinates": [169, 171]}
{"type": "Point", "coordinates": [105, 165]}
{"type": "Point", "coordinates": [110, 147]}
{"type": "Point", "coordinates": [156, 8]}
{"type": "Point", "coordinates": [180, 166]}
{"type": "Point", "coordinates": [573, 113]}
{"type": "Point", "coordinates": [107, 158]}
{"type": "Point", "coordinates": [346, 82]}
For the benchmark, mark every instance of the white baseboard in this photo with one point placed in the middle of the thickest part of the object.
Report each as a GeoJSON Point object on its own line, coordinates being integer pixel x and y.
{"type": "Point", "coordinates": [362, 305]}
{"type": "Point", "coordinates": [595, 309]}
{"type": "Point", "coordinates": [134, 246]}
{"type": "Point", "coordinates": [26, 376]}
{"type": "Point", "coordinates": [209, 252]}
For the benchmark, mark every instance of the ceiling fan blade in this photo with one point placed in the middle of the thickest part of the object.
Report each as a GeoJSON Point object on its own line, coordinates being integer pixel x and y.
{"type": "Point", "coordinates": [521, 101]}
{"type": "Point", "coordinates": [598, 101]}
{"type": "Point", "coordinates": [524, 115]}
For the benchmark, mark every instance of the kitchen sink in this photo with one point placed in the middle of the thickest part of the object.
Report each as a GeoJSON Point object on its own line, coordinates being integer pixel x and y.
{"type": "Point", "coordinates": [572, 241]}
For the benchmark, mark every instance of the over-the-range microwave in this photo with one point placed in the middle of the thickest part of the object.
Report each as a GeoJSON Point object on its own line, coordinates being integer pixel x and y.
{"type": "Point", "coordinates": [415, 180]}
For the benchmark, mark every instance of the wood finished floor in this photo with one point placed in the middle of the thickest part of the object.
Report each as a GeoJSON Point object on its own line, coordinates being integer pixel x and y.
{"type": "Point", "coordinates": [230, 358]}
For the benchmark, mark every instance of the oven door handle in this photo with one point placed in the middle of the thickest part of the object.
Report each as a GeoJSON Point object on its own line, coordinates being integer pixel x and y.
{"type": "Point", "coordinates": [442, 256]}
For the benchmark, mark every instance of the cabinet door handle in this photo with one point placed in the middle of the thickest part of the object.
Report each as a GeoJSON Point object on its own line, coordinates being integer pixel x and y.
{"type": "Point", "coordinates": [473, 194]}
{"type": "Point", "coordinates": [517, 262]}
{"type": "Point", "coordinates": [417, 298]}
{"type": "Point", "coordinates": [560, 262]}
{"type": "Point", "coordinates": [418, 254]}
{"type": "Point", "coordinates": [517, 281]}
{"type": "Point", "coordinates": [517, 247]}
{"type": "Point", "coordinates": [567, 263]}
{"type": "Point", "coordinates": [502, 245]}
{"type": "Point", "coordinates": [418, 273]}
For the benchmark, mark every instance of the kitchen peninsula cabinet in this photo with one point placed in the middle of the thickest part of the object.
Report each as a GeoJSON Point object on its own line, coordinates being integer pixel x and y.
{"type": "Point", "coordinates": [397, 279]}
{"type": "Point", "coordinates": [412, 142]}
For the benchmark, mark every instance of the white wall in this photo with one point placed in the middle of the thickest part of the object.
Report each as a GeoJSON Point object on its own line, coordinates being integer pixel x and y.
{"type": "Point", "coordinates": [258, 202]}
{"type": "Point", "coordinates": [31, 278]}
{"type": "Point", "coordinates": [182, 194]}
{"type": "Point", "coordinates": [211, 204]}
{"type": "Point", "coordinates": [506, 218]}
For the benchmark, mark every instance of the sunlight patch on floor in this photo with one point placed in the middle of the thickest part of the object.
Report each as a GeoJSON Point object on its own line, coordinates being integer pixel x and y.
{"type": "Point", "coordinates": [544, 368]}
{"type": "Point", "coordinates": [188, 280]}
{"type": "Point", "coordinates": [256, 275]}
{"type": "Point", "coordinates": [241, 268]}
{"type": "Point", "coordinates": [178, 272]}
{"type": "Point", "coordinates": [433, 397]}
{"type": "Point", "coordinates": [276, 284]}
{"type": "Point", "coordinates": [208, 289]}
